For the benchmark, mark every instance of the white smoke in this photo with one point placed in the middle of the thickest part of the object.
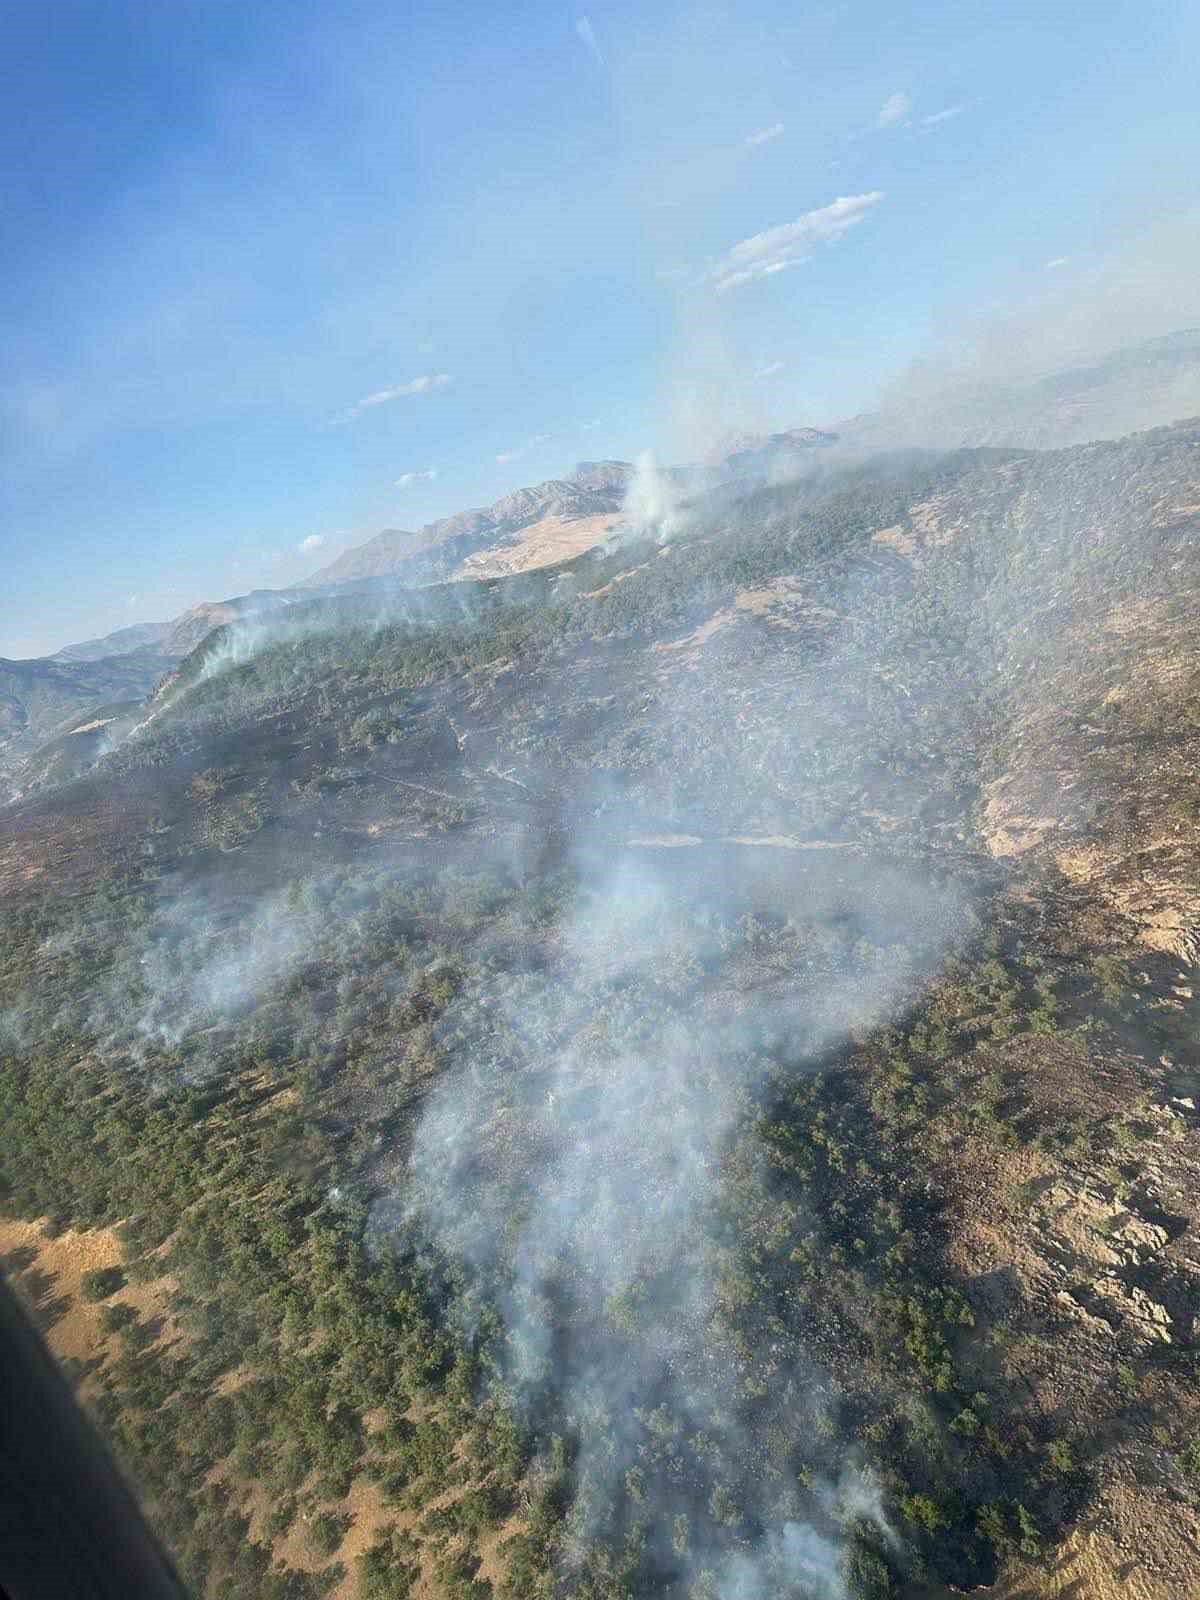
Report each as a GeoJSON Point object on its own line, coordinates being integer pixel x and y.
{"type": "Point", "coordinates": [653, 504]}
{"type": "Point", "coordinates": [579, 1181]}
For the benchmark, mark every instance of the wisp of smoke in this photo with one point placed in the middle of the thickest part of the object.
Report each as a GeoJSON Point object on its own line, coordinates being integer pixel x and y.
{"type": "Point", "coordinates": [653, 503]}
{"type": "Point", "coordinates": [579, 1184]}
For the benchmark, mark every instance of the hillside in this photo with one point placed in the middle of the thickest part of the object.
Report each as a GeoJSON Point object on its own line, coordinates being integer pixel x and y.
{"type": "Point", "coordinates": [194, 625]}
{"type": "Point", "coordinates": [672, 1073]}
{"type": "Point", "coordinates": [59, 714]}
{"type": "Point", "coordinates": [40, 699]}
{"type": "Point", "coordinates": [542, 525]}
{"type": "Point", "coordinates": [123, 642]}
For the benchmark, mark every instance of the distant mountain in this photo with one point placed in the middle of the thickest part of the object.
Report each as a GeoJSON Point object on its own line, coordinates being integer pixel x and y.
{"type": "Point", "coordinates": [1149, 384]}
{"type": "Point", "coordinates": [755, 455]}
{"type": "Point", "coordinates": [187, 630]}
{"type": "Point", "coordinates": [178, 636]}
{"type": "Point", "coordinates": [43, 699]}
{"type": "Point", "coordinates": [99, 683]}
{"type": "Point", "coordinates": [526, 528]}
{"type": "Point", "coordinates": [140, 636]}
{"type": "Point", "coordinates": [58, 713]}
{"type": "Point", "coordinates": [535, 526]}
{"type": "Point", "coordinates": [1153, 382]}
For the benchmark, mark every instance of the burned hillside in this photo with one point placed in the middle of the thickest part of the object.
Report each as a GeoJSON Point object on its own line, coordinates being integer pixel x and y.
{"type": "Point", "coordinates": [671, 1075]}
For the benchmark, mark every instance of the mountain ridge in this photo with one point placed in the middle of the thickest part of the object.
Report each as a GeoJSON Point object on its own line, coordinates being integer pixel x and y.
{"type": "Point", "coordinates": [1063, 405]}
{"type": "Point", "coordinates": [596, 488]}
{"type": "Point", "coordinates": [459, 545]}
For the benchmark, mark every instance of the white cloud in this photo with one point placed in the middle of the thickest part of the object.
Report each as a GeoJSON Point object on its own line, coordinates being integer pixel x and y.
{"type": "Point", "coordinates": [587, 33]}
{"type": "Point", "coordinates": [764, 254]}
{"type": "Point", "coordinates": [407, 479]}
{"type": "Point", "coordinates": [425, 384]}
{"type": "Point", "coordinates": [313, 542]}
{"type": "Point", "coordinates": [893, 110]}
{"type": "Point", "coordinates": [942, 116]}
{"type": "Point", "coordinates": [769, 370]}
{"type": "Point", "coordinates": [1058, 261]}
{"type": "Point", "coordinates": [421, 385]}
{"type": "Point", "coordinates": [765, 135]}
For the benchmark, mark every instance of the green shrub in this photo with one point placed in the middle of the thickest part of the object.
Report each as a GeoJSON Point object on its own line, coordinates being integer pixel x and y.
{"type": "Point", "coordinates": [115, 1318]}
{"type": "Point", "coordinates": [280, 1518]}
{"type": "Point", "coordinates": [101, 1283]}
{"type": "Point", "coordinates": [325, 1532]}
{"type": "Point", "coordinates": [923, 1511]}
{"type": "Point", "coordinates": [867, 1575]}
{"type": "Point", "coordinates": [386, 1570]}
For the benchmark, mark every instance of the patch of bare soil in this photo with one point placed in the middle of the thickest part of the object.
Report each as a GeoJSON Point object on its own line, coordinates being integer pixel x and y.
{"type": "Point", "coordinates": [783, 603]}
{"type": "Point", "coordinates": [364, 1505]}
{"type": "Point", "coordinates": [690, 646]}
{"type": "Point", "coordinates": [541, 544]}
{"type": "Point", "coordinates": [1089, 1565]}
{"type": "Point", "coordinates": [51, 1283]}
{"type": "Point", "coordinates": [930, 525]}
{"type": "Point", "coordinates": [780, 603]}
{"type": "Point", "coordinates": [621, 577]}
{"type": "Point", "coordinates": [368, 1513]}
{"type": "Point", "coordinates": [491, 1561]}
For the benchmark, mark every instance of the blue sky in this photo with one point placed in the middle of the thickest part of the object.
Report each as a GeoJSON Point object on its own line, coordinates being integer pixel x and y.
{"type": "Point", "coordinates": [277, 276]}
